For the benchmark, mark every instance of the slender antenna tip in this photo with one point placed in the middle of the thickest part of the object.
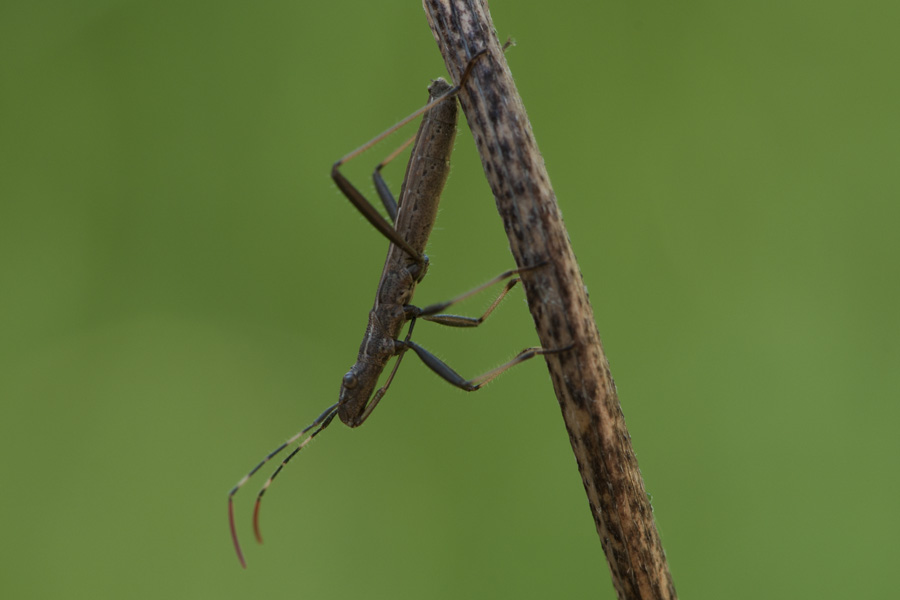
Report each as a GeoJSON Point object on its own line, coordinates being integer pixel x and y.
{"type": "Point", "coordinates": [256, 530]}
{"type": "Point", "coordinates": [234, 537]}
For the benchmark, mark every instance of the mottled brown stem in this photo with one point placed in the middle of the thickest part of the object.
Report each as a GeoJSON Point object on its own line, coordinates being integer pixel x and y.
{"type": "Point", "coordinates": [557, 298]}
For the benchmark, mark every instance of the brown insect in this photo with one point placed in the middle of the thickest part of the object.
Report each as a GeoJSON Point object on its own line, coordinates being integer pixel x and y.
{"type": "Point", "coordinates": [406, 264]}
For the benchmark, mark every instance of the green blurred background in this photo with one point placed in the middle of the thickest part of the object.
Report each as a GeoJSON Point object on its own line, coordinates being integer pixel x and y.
{"type": "Point", "coordinates": [182, 287]}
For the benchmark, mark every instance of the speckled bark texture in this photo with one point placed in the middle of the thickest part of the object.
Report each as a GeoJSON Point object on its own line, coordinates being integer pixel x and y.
{"type": "Point", "coordinates": [557, 298]}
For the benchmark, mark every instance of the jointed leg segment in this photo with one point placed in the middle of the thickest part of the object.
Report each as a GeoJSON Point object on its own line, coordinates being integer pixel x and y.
{"type": "Point", "coordinates": [439, 366]}
{"type": "Point", "coordinates": [355, 196]}
{"type": "Point", "coordinates": [430, 312]}
{"type": "Point", "coordinates": [470, 385]}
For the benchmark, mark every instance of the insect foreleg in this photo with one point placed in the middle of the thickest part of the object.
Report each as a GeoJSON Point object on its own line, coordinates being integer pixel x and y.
{"type": "Point", "coordinates": [379, 393]}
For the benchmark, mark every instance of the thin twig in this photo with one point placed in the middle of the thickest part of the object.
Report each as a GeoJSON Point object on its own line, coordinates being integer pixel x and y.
{"type": "Point", "coordinates": [557, 298]}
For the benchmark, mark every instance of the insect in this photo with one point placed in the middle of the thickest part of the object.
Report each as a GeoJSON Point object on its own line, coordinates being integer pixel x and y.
{"type": "Point", "coordinates": [406, 264]}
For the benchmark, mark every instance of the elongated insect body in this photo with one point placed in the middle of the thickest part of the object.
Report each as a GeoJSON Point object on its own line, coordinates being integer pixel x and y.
{"type": "Point", "coordinates": [404, 267]}
{"type": "Point", "coordinates": [420, 194]}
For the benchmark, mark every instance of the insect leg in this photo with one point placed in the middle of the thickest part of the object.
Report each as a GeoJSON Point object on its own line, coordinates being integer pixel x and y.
{"type": "Point", "coordinates": [470, 385]}
{"type": "Point", "coordinates": [356, 197]}
{"type": "Point", "coordinates": [435, 363]}
{"type": "Point", "coordinates": [379, 393]}
{"type": "Point", "coordinates": [431, 312]}
{"type": "Point", "coordinates": [384, 192]}
{"type": "Point", "coordinates": [370, 213]}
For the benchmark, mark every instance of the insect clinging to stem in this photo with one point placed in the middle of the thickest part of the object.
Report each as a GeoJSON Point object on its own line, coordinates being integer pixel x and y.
{"type": "Point", "coordinates": [413, 218]}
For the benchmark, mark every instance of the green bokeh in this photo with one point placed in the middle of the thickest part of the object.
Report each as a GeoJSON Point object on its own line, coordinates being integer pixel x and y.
{"type": "Point", "coordinates": [182, 287]}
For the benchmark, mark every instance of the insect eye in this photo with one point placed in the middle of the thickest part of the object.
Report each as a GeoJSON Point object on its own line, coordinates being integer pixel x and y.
{"type": "Point", "coordinates": [350, 381]}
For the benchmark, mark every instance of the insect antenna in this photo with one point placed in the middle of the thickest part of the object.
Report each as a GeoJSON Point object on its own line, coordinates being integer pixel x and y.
{"type": "Point", "coordinates": [319, 424]}
{"type": "Point", "coordinates": [325, 423]}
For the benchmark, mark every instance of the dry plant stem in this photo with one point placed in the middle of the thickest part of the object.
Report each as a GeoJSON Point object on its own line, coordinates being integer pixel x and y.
{"type": "Point", "coordinates": [557, 298]}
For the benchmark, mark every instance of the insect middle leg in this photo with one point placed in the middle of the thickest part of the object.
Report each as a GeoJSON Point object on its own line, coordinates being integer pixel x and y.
{"type": "Point", "coordinates": [476, 383]}
{"type": "Point", "coordinates": [430, 313]}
